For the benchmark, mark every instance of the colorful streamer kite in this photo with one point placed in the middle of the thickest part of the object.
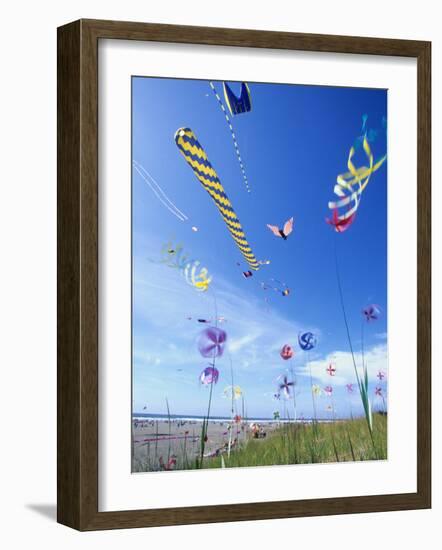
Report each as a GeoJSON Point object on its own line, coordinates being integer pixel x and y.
{"type": "Point", "coordinates": [229, 124]}
{"type": "Point", "coordinates": [196, 276]}
{"type": "Point", "coordinates": [370, 133]}
{"type": "Point", "coordinates": [197, 159]}
{"type": "Point", "coordinates": [173, 256]}
{"type": "Point", "coordinates": [277, 286]}
{"type": "Point", "coordinates": [349, 188]}
{"type": "Point", "coordinates": [232, 392]}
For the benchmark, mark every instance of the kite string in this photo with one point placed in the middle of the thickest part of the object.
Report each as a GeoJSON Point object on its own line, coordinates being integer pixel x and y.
{"type": "Point", "coordinates": [159, 189]}
{"type": "Point", "coordinates": [205, 428]}
{"type": "Point", "coordinates": [215, 304]}
{"type": "Point", "coordinates": [362, 345]}
{"type": "Point", "coordinates": [233, 411]}
{"type": "Point", "coordinates": [232, 132]}
{"type": "Point", "coordinates": [159, 193]}
{"type": "Point", "coordinates": [341, 297]}
{"type": "Point", "coordinates": [311, 391]}
{"type": "Point", "coordinates": [361, 386]}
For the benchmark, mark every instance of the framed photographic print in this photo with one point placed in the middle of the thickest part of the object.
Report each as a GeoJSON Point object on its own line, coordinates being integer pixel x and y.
{"type": "Point", "coordinates": [243, 275]}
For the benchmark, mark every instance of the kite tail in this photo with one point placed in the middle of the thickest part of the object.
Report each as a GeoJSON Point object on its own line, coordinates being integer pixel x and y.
{"type": "Point", "coordinates": [196, 158]}
{"type": "Point", "coordinates": [232, 132]}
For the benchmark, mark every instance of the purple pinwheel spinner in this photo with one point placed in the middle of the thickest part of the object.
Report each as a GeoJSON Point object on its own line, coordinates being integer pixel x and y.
{"type": "Point", "coordinates": [285, 386]}
{"type": "Point", "coordinates": [211, 342]}
{"type": "Point", "coordinates": [209, 375]}
{"type": "Point", "coordinates": [371, 312]}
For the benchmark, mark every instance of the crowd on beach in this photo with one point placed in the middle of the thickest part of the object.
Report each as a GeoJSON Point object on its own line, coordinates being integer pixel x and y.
{"type": "Point", "coordinates": [179, 439]}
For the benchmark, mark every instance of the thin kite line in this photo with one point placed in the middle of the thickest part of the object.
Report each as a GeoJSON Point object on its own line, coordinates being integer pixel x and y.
{"type": "Point", "coordinates": [235, 143]}
{"type": "Point", "coordinates": [159, 193]}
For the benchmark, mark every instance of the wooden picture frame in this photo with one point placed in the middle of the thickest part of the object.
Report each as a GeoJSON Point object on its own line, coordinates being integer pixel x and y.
{"type": "Point", "coordinates": [78, 274]}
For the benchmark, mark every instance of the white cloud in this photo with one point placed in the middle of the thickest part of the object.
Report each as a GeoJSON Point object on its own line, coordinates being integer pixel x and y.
{"type": "Point", "coordinates": [163, 301]}
{"type": "Point", "coordinates": [255, 335]}
{"type": "Point", "coordinates": [375, 358]}
{"type": "Point", "coordinates": [238, 344]}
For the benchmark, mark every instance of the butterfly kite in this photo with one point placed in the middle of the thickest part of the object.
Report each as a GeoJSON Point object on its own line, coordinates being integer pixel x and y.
{"type": "Point", "coordinates": [284, 232]}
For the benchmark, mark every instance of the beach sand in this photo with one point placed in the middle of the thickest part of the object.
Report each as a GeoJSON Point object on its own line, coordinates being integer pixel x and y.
{"type": "Point", "coordinates": [156, 441]}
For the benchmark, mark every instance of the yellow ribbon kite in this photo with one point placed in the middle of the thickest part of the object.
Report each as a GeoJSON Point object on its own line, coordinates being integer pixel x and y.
{"type": "Point", "coordinates": [351, 184]}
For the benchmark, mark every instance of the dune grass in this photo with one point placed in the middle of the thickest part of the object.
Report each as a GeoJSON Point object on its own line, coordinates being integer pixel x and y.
{"type": "Point", "coordinates": [341, 441]}
{"type": "Point", "coordinates": [300, 443]}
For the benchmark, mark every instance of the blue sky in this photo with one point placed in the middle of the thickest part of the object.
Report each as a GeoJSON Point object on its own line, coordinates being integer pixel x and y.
{"type": "Point", "coordinates": [294, 143]}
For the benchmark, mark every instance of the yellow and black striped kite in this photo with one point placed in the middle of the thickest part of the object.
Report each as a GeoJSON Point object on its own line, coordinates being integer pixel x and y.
{"type": "Point", "coordinates": [197, 159]}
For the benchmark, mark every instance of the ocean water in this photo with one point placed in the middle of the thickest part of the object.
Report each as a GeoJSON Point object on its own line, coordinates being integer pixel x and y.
{"type": "Point", "coordinates": [197, 418]}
